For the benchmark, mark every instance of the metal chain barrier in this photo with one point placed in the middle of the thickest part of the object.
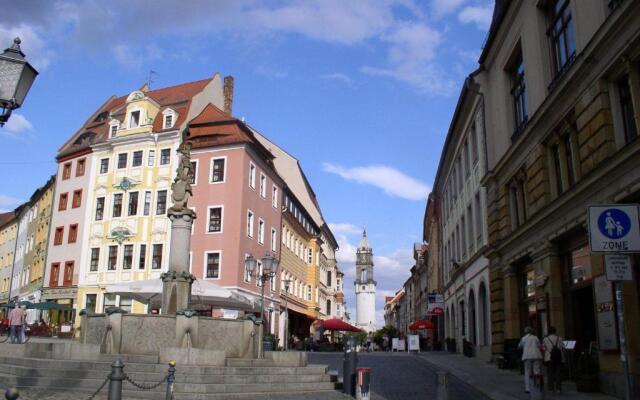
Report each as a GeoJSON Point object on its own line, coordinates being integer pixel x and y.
{"type": "Point", "coordinates": [100, 388]}
{"type": "Point", "coordinates": [142, 386]}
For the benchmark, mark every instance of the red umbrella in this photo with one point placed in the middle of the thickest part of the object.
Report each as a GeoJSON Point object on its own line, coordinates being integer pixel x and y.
{"type": "Point", "coordinates": [335, 324]}
{"type": "Point", "coordinates": [422, 324]}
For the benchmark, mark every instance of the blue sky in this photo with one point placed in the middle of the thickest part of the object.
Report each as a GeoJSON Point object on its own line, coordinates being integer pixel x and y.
{"type": "Point", "coordinates": [361, 92]}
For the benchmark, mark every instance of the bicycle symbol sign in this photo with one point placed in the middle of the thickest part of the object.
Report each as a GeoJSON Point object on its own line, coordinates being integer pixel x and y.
{"type": "Point", "coordinates": [614, 228]}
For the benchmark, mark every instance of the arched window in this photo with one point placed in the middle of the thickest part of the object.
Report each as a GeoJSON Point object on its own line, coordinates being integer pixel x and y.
{"type": "Point", "coordinates": [483, 317]}
{"type": "Point", "coordinates": [472, 318]}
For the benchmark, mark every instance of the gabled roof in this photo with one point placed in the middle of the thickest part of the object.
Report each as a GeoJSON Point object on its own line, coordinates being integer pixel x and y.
{"type": "Point", "coordinates": [98, 122]}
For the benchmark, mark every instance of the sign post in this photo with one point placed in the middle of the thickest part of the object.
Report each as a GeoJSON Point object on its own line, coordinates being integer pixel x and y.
{"type": "Point", "coordinates": [615, 230]}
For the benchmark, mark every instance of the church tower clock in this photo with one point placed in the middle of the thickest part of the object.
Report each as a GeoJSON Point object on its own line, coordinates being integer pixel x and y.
{"type": "Point", "coordinates": [365, 286]}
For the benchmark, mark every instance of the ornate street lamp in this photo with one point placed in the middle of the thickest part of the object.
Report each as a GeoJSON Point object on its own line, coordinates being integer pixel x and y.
{"type": "Point", "coordinates": [16, 78]}
{"type": "Point", "coordinates": [269, 270]}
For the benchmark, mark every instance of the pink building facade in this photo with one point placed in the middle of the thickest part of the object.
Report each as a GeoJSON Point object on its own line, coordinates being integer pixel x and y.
{"type": "Point", "coordinates": [237, 199]}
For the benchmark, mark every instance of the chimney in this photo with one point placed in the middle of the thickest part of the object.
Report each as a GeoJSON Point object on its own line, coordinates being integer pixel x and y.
{"type": "Point", "coordinates": [228, 94]}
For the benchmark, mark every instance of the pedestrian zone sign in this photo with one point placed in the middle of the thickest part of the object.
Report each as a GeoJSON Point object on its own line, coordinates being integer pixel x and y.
{"type": "Point", "coordinates": [614, 228]}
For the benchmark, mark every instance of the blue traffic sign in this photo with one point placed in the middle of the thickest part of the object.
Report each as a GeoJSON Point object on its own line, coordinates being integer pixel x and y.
{"type": "Point", "coordinates": [614, 223]}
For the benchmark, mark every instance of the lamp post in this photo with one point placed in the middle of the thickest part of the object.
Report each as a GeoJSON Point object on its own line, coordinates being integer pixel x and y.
{"type": "Point", "coordinates": [16, 78]}
{"type": "Point", "coordinates": [287, 285]}
{"type": "Point", "coordinates": [268, 271]}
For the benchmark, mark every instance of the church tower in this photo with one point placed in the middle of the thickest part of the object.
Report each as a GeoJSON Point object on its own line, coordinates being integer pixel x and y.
{"type": "Point", "coordinates": [365, 286]}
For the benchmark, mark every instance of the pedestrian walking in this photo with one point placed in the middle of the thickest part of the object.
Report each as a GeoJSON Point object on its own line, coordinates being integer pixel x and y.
{"type": "Point", "coordinates": [16, 321]}
{"type": "Point", "coordinates": [553, 359]}
{"type": "Point", "coordinates": [531, 356]}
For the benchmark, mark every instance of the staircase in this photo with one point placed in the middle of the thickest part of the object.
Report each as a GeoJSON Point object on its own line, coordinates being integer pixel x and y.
{"type": "Point", "coordinates": [239, 379]}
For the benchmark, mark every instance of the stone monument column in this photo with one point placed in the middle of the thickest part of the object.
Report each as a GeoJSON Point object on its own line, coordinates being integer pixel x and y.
{"type": "Point", "coordinates": [176, 288]}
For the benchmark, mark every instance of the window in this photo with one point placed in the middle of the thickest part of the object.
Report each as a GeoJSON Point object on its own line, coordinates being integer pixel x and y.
{"type": "Point", "coordinates": [168, 121]}
{"type": "Point", "coordinates": [561, 34]}
{"type": "Point", "coordinates": [247, 276]}
{"type": "Point", "coordinates": [104, 165]}
{"type": "Point", "coordinates": [274, 241]}
{"type": "Point", "coordinates": [329, 278]}
{"type": "Point", "coordinates": [260, 231]}
{"type": "Point", "coordinates": [165, 156]}
{"type": "Point", "coordinates": [463, 238]}
{"type": "Point", "coordinates": [57, 238]}
{"type": "Point", "coordinates": [73, 233]}
{"type": "Point", "coordinates": [194, 172]}
{"type": "Point", "coordinates": [134, 120]}
{"type": "Point", "coordinates": [68, 274]}
{"type": "Point", "coordinates": [122, 160]}
{"type": "Point", "coordinates": [80, 167]}
{"type": "Point", "coordinates": [478, 219]}
{"type": "Point", "coordinates": [473, 148]}
{"type": "Point", "coordinates": [218, 170]}
{"type": "Point", "coordinates": [117, 205]}
{"type": "Point", "coordinates": [62, 203]}
{"type": "Point", "coordinates": [252, 176]}
{"type": "Point", "coordinates": [519, 93]}
{"type": "Point", "coordinates": [114, 130]}
{"type": "Point", "coordinates": [263, 186]}
{"type": "Point", "coordinates": [66, 171]}
{"type": "Point", "coordinates": [156, 259]}
{"type": "Point", "coordinates": [151, 161]}
{"type": "Point", "coordinates": [55, 275]}
{"type": "Point", "coordinates": [142, 259]}
{"type": "Point", "coordinates": [274, 196]}
{"type": "Point", "coordinates": [95, 259]}
{"type": "Point", "coordinates": [215, 219]}
{"type": "Point", "coordinates": [309, 256]}
{"type": "Point", "coordinates": [113, 258]}
{"type": "Point", "coordinates": [90, 302]}
{"type": "Point", "coordinates": [109, 302]}
{"type": "Point", "coordinates": [127, 259]}
{"type": "Point", "coordinates": [133, 203]}
{"type": "Point", "coordinates": [137, 158]}
{"type": "Point", "coordinates": [249, 223]}
{"type": "Point", "coordinates": [627, 111]}
{"type": "Point", "coordinates": [470, 228]}
{"type": "Point", "coordinates": [126, 303]}
{"type": "Point", "coordinates": [259, 282]}
{"type": "Point", "coordinates": [77, 198]}
{"type": "Point", "coordinates": [161, 205]}
{"type": "Point", "coordinates": [568, 153]}
{"type": "Point", "coordinates": [466, 158]}
{"type": "Point", "coordinates": [518, 204]}
{"type": "Point", "coordinates": [147, 203]}
{"type": "Point", "coordinates": [213, 265]}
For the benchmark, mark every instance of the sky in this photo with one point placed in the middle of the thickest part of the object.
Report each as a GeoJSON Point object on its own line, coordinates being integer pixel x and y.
{"type": "Point", "coordinates": [361, 92]}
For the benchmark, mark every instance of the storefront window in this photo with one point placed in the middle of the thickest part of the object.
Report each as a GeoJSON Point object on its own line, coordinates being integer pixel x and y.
{"type": "Point", "coordinates": [580, 260]}
{"type": "Point", "coordinates": [125, 304]}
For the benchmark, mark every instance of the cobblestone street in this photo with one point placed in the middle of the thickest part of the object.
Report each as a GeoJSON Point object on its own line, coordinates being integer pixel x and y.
{"type": "Point", "coordinates": [57, 395]}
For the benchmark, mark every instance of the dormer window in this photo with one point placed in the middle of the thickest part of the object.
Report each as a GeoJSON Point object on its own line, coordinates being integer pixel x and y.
{"type": "Point", "coordinates": [113, 128]}
{"type": "Point", "coordinates": [169, 118]}
{"type": "Point", "coordinates": [134, 120]}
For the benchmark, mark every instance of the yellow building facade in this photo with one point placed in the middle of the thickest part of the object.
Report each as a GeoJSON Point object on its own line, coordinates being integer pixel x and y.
{"type": "Point", "coordinates": [8, 232]}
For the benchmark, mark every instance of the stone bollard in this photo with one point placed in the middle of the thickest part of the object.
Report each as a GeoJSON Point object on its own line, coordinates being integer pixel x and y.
{"type": "Point", "coordinates": [11, 394]}
{"type": "Point", "coordinates": [171, 377]}
{"type": "Point", "coordinates": [115, 380]}
{"type": "Point", "coordinates": [363, 384]}
{"type": "Point", "coordinates": [442, 390]}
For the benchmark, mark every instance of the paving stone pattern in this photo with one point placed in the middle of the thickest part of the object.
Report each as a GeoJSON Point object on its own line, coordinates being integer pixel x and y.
{"type": "Point", "coordinates": [400, 376]}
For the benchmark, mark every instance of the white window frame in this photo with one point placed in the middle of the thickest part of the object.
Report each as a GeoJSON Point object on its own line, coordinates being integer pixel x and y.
{"type": "Point", "coordinates": [273, 282]}
{"type": "Point", "coordinates": [195, 172]}
{"type": "Point", "coordinates": [224, 175]}
{"type": "Point", "coordinates": [274, 196]}
{"type": "Point", "coordinates": [263, 185]}
{"type": "Point", "coordinates": [206, 224]}
{"type": "Point", "coordinates": [114, 123]}
{"type": "Point", "coordinates": [261, 226]}
{"type": "Point", "coordinates": [247, 276]}
{"type": "Point", "coordinates": [204, 264]}
{"type": "Point", "coordinates": [258, 273]}
{"type": "Point", "coordinates": [166, 113]}
{"type": "Point", "coordinates": [151, 158]}
{"type": "Point", "coordinates": [250, 218]}
{"type": "Point", "coordinates": [140, 119]}
{"type": "Point", "coordinates": [252, 175]}
{"type": "Point", "coordinates": [274, 239]}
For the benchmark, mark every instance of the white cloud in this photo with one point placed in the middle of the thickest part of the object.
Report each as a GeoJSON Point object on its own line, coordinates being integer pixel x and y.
{"type": "Point", "coordinates": [411, 59]}
{"type": "Point", "coordinates": [481, 16]}
{"type": "Point", "coordinates": [346, 254]}
{"type": "Point", "coordinates": [270, 72]}
{"type": "Point", "coordinates": [390, 180]}
{"type": "Point", "coordinates": [8, 203]}
{"type": "Point", "coordinates": [32, 45]}
{"type": "Point", "coordinates": [338, 76]}
{"type": "Point", "coordinates": [17, 125]}
{"type": "Point", "coordinates": [134, 57]}
{"type": "Point", "coordinates": [349, 229]}
{"type": "Point", "coordinates": [441, 8]}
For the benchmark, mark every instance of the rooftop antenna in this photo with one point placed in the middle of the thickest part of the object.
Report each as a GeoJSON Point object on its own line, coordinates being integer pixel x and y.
{"type": "Point", "coordinates": [150, 80]}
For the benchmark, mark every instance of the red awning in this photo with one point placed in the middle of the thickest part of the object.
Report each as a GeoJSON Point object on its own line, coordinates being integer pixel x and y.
{"type": "Point", "coordinates": [422, 324]}
{"type": "Point", "coordinates": [335, 324]}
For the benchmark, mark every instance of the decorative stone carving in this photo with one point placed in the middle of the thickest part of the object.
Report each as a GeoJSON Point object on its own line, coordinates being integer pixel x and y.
{"type": "Point", "coordinates": [126, 184]}
{"type": "Point", "coordinates": [181, 186]}
{"type": "Point", "coordinates": [120, 234]}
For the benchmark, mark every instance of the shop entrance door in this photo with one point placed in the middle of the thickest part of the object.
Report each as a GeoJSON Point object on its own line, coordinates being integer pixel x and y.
{"type": "Point", "coordinates": [584, 320]}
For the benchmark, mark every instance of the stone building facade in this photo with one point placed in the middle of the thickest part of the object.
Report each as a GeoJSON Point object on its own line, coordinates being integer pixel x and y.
{"type": "Point", "coordinates": [561, 83]}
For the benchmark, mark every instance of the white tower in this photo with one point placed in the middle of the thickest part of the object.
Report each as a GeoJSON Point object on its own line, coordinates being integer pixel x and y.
{"type": "Point", "coordinates": [365, 286]}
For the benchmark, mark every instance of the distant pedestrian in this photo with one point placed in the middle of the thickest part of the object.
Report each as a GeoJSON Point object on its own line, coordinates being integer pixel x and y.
{"type": "Point", "coordinates": [16, 321]}
{"type": "Point", "coordinates": [531, 356]}
{"type": "Point", "coordinates": [553, 359]}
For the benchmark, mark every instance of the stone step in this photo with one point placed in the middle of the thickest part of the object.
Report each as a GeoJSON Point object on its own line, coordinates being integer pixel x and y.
{"type": "Point", "coordinates": [21, 371]}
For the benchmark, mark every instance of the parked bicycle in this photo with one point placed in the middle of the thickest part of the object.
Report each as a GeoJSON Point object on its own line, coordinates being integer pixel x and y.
{"type": "Point", "coordinates": [23, 336]}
